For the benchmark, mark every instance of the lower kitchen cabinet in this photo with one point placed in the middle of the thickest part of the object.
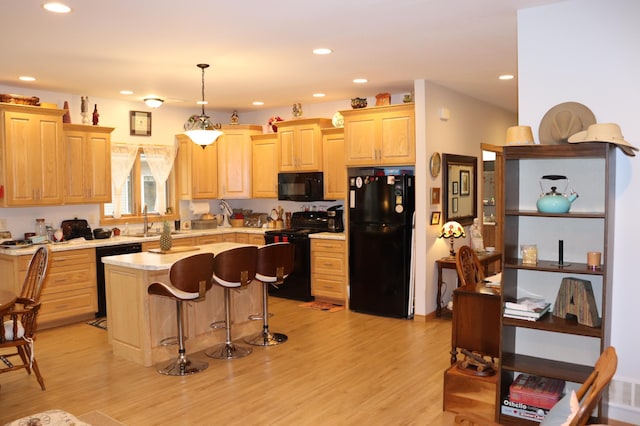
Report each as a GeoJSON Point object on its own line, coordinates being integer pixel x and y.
{"type": "Point", "coordinates": [329, 270]}
{"type": "Point", "coordinates": [175, 242]}
{"type": "Point", "coordinates": [70, 289]}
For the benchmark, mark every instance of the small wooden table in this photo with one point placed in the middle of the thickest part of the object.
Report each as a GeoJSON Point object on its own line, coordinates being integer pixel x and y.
{"type": "Point", "coordinates": [486, 259]}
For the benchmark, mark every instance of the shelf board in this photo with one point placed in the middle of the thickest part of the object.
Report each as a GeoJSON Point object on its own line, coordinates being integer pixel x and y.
{"type": "Point", "coordinates": [551, 266]}
{"type": "Point", "coordinates": [555, 324]}
{"type": "Point", "coordinates": [571, 215]}
{"type": "Point", "coordinates": [570, 372]}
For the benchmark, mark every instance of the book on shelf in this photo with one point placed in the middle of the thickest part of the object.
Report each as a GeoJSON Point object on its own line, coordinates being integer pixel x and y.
{"type": "Point", "coordinates": [537, 391]}
{"type": "Point", "coordinates": [528, 315]}
{"type": "Point", "coordinates": [523, 414]}
{"type": "Point", "coordinates": [527, 304]}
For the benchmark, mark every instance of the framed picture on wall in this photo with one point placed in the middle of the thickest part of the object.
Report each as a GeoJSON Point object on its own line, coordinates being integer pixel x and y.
{"type": "Point", "coordinates": [435, 218]}
{"type": "Point", "coordinates": [435, 195]}
{"type": "Point", "coordinates": [454, 187]}
{"type": "Point", "coordinates": [139, 123]}
{"type": "Point", "coordinates": [464, 182]}
{"type": "Point", "coordinates": [454, 205]}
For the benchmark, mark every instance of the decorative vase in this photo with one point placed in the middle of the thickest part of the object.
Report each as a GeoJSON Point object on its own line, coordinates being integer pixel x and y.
{"type": "Point", "coordinates": [165, 238]}
{"type": "Point", "coordinates": [96, 116]}
{"type": "Point", "coordinates": [66, 118]}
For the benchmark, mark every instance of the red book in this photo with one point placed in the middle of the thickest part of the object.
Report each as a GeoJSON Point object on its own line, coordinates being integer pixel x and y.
{"type": "Point", "coordinates": [538, 391]}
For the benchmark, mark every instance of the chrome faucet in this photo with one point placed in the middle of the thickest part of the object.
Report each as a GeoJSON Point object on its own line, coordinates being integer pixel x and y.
{"type": "Point", "coordinates": [145, 223]}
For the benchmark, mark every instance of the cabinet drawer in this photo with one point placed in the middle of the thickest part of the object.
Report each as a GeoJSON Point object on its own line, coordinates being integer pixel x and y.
{"type": "Point", "coordinates": [229, 238]}
{"type": "Point", "coordinates": [327, 245]}
{"type": "Point", "coordinates": [327, 285]}
{"type": "Point", "coordinates": [62, 281]}
{"type": "Point", "coordinates": [69, 304]}
{"type": "Point", "coordinates": [176, 242]}
{"type": "Point", "coordinates": [208, 239]}
{"type": "Point", "coordinates": [242, 238]}
{"type": "Point", "coordinates": [75, 259]}
{"type": "Point", "coordinates": [257, 239]}
{"type": "Point", "coordinates": [328, 263]}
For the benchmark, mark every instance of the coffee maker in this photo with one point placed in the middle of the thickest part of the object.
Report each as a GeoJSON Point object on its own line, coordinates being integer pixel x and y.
{"type": "Point", "coordinates": [335, 221]}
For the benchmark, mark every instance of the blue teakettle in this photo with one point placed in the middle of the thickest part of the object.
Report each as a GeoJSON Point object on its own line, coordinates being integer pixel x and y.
{"type": "Point", "coordinates": [554, 201]}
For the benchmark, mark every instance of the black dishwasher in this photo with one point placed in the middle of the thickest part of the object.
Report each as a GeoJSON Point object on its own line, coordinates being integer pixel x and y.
{"type": "Point", "coordinates": [109, 251]}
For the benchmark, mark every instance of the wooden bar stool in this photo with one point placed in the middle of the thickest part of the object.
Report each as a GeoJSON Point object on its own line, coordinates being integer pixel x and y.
{"type": "Point", "coordinates": [275, 263]}
{"type": "Point", "coordinates": [232, 269]}
{"type": "Point", "coordinates": [189, 278]}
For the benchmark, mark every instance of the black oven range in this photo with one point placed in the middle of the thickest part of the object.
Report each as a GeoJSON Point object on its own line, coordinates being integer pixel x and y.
{"type": "Point", "coordinates": [297, 285]}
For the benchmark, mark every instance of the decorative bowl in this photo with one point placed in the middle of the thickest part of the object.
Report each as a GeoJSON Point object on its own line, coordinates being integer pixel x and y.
{"type": "Point", "coordinates": [236, 223]}
{"type": "Point", "coordinates": [358, 103]}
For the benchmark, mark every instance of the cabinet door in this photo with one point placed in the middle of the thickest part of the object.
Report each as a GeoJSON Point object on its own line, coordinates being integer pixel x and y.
{"type": "Point", "coordinates": [308, 146]}
{"type": "Point", "coordinates": [234, 163]}
{"type": "Point", "coordinates": [360, 136]}
{"type": "Point", "coordinates": [204, 169]}
{"type": "Point", "coordinates": [335, 170]}
{"type": "Point", "coordinates": [74, 166]}
{"type": "Point", "coordinates": [87, 166]}
{"type": "Point", "coordinates": [183, 167]}
{"type": "Point", "coordinates": [397, 141]}
{"type": "Point", "coordinates": [33, 159]}
{"type": "Point", "coordinates": [265, 165]}
{"type": "Point", "coordinates": [286, 137]}
{"type": "Point", "coordinates": [99, 162]}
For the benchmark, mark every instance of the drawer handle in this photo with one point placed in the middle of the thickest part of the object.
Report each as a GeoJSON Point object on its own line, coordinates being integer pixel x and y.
{"type": "Point", "coordinates": [61, 306]}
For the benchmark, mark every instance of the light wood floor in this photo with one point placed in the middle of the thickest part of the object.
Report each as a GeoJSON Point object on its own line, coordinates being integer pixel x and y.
{"type": "Point", "coordinates": [340, 368]}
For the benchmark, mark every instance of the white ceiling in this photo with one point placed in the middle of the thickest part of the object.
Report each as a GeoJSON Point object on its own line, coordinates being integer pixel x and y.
{"type": "Point", "coordinates": [261, 50]}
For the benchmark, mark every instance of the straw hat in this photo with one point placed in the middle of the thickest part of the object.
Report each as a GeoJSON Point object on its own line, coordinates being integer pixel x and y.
{"type": "Point", "coordinates": [564, 120]}
{"type": "Point", "coordinates": [604, 132]}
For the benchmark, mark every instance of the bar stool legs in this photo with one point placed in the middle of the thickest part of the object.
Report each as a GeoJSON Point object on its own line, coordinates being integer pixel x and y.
{"type": "Point", "coordinates": [182, 365]}
{"type": "Point", "coordinates": [228, 349]}
{"type": "Point", "coordinates": [266, 338]}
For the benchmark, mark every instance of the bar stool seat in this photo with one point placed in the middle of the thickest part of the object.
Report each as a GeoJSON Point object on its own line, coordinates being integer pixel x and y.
{"type": "Point", "coordinates": [189, 278]}
{"type": "Point", "coordinates": [274, 264]}
{"type": "Point", "coordinates": [232, 269]}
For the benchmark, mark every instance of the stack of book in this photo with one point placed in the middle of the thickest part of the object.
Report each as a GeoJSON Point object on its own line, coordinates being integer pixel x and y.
{"type": "Point", "coordinates": [526, 308]}
{"type": "Point", "coordinates": [531, 397]}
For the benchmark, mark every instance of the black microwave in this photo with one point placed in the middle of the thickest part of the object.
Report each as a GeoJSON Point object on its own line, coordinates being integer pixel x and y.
{"type": "Point", "coordinates": [307, 186]}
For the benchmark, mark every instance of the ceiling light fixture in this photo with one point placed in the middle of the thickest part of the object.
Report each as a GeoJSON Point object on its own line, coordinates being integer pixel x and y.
{"type": "Point", "coordinates": [318, 95]}
{"type": "Point", "coordinates": [322, 51]}
{"type": "Point", "coordinates": [153, 102]}
{"type": "Point", "coordinates": [126, 92]}
{"type": "Point", "coordinates": [258, 103]}
{"type": "Point", "coordinates": [506, 77]}
{"type": "Point", "coordinates": [26, 78]}
{"type": "Point", "coordinates": [200, 129]}
{"type": "Point", "coordinates": [56, 7]}
{"type": "Point", "coordinates": [360, 80]}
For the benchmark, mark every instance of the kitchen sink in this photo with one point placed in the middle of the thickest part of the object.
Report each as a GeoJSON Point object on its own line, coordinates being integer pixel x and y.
{"type": "Point", "coordinates": [151, 234]}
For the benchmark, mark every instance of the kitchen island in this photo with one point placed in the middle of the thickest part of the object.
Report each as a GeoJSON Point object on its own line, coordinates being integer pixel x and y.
{"type": "Point", "coordinates": [138, 322]}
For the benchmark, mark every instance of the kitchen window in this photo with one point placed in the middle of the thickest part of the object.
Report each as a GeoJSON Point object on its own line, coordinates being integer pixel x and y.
{"type": "Point", "coordinates": [140, 189]}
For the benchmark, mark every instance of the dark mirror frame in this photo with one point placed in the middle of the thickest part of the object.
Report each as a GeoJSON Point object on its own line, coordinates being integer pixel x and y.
{"type": "Point", "coordinates": [452, 183]}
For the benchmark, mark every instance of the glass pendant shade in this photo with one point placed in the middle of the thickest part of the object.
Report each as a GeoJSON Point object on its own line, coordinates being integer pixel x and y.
{"type": "Point", "coordinates": [153, 102]}
{"type": "Point", "coordinates": [199, 128]}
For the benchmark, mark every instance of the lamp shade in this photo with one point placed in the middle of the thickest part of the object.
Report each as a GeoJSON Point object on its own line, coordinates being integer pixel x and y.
{"type": "Point", "coordinates": [201, 130]}
{"type": "Point", "coordinates": [451, 229]}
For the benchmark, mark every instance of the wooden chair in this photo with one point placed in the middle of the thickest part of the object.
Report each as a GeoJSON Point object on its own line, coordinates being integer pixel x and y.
{"type": "Point", "coordinates": [20, 320]}
{"type": "Point", "coordinates": [190, 278]}
{"type": "Point", "coordinates": [588, 395]}
{"type": "Point", "coordinates": [468, 265]}
{"type": "Point", "coordinates": [232, 269]}
{"type": "Point", "coordinates": [274, 264]}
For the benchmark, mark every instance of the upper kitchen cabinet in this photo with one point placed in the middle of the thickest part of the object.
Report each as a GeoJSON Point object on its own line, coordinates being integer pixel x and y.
{"type": "Point", "coordinates": [32, 153]}
{"type": "Point", "coordinates": [197, 170]}
{"type": "Point", "coordinates": [87, 167]}
{"type": "Point", "coordinates": [265, 165]}
{"type": "Point", "coordinates": [335, 170]}
{"type": "Point", "coordinates": [301, 144]}
{"type": "Point", "coordinates": [234, 160]}
{"type": "Point", "coordinates": [380, 135]}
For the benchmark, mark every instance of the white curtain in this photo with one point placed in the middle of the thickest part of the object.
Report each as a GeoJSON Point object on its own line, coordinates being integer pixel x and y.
{"type": "Point", "coordinates": [160, 159]}
{"type": "Point", "coordinates": [123, 155]}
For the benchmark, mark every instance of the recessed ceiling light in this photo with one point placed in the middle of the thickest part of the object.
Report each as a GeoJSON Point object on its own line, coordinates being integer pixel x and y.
{"type": "Point", "coordinates": [57, 7]}
{"type": "Point", "coordinates": [318, 95]}
{"type": "Point", "coordinates": [258, 103]}
{"type": "Point", "coordinates": [360, 80]}
{"type": "Point", "coordinates": [27, 78]}
{"type": "Point", "coordinates": [322, 51]}
{"type": "Point", "coordinates": [506, 77]}
{"type": "Point", "coordinates": [202, 102]}
{"type": "Point", "coordinates": [126, 92]}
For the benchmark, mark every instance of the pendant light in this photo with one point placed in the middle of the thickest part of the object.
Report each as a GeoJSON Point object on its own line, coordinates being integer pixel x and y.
{"type": "Point", "coordinates": [200, 129]}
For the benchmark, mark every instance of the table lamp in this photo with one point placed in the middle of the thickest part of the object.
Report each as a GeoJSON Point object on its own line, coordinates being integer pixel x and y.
{"type": "Point", "coordinates": [452, 230]}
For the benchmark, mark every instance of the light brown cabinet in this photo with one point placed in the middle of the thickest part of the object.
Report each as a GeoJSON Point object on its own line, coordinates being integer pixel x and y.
{"type": "Point", "coordinates": [380, 135]}
{"type": "Point", "coordinates": [87, 167]}
{"type": "Point", "coordinates": [329, 270]}
{"type": "Point", "coordinates": [265, 153]}
{"type": "Point", "coordinates": [301, 144]}
{"type": "Point", "coordinates": [234, 160]}
{"type": "Point", "coordinates": [197, 170]}
{"type": "Point", "coordinates": [334, 167]}
{"type": "Point", "coordinates": [175, 242]}
{"type": "Point", "coordinates": [32, 142]}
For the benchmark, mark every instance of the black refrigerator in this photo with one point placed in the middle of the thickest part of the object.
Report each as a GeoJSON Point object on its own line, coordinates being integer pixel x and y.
{"type": "Point", "coordinates": [381, 211]}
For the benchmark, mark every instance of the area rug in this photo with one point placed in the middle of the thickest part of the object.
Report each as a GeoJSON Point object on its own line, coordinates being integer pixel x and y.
{"type": "Point", "coordinates": [322, 306]}
{"type": "Point", "coordinates": [99, 322]}
{"type": "Point", "coordinates": [98, 418]}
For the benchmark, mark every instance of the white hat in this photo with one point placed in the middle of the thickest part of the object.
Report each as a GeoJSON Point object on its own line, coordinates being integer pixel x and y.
{"type": "Point", "coordinates": [604, 132]}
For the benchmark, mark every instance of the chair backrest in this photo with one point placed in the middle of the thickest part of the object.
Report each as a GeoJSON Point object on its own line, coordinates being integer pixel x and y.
{"type": "Point", "coordinates": [468, 265]}
{"type": "Point", "coordinates": [36, 273]}
{"type": "Point", "coordinates": [275, 262]}
{"type": "Point", "coordinates": [193, 274]}
{"type": "Point", "coordinates": [235, 267]}
{"type": "Point", "coordinates": [591, 390]}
